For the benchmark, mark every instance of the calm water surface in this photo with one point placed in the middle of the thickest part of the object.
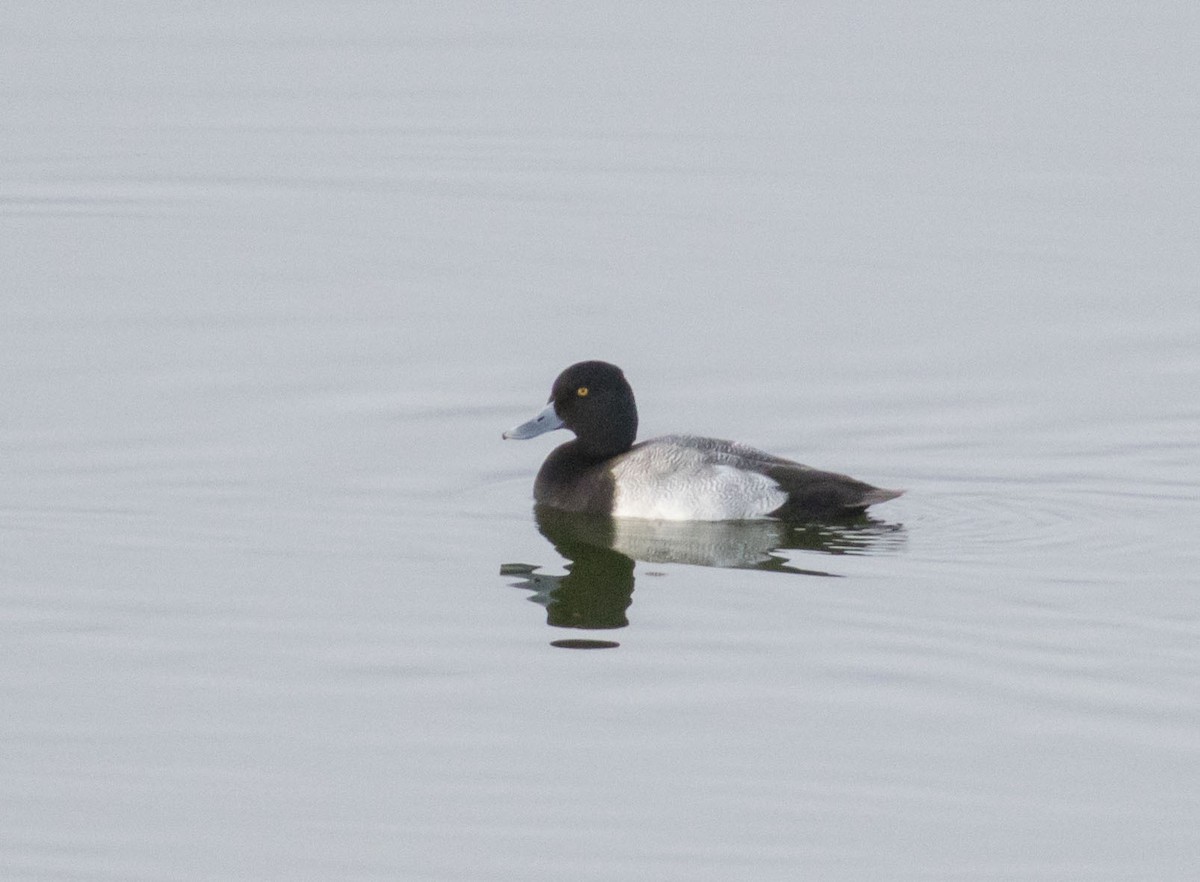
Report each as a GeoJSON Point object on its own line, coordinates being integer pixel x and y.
{"type": "Point", "coordinates": [274, 601]}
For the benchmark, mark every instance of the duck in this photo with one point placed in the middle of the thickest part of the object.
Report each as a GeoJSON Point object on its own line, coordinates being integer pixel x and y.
{"type": "Point", "coordinates": [672, 477]}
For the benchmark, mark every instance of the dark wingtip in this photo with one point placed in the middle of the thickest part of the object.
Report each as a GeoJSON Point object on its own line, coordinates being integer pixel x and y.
{"type": "Point", "coordinates": [876, 495]}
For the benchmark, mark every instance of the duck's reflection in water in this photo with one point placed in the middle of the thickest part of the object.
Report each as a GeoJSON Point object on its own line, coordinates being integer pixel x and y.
{"type": "Point", "coordinates": [597, 589]}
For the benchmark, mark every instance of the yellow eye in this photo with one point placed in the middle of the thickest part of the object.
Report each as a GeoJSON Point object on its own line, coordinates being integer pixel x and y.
{"type": "Point", "coordinates": [581, 391]}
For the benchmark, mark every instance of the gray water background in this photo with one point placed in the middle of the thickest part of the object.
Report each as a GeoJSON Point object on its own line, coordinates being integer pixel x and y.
{"type": "Point", "coordinates": [276, 276]}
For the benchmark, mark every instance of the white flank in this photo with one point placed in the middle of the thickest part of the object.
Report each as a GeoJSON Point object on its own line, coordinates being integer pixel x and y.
{"type": "Point", "coordinates": [668, 481]}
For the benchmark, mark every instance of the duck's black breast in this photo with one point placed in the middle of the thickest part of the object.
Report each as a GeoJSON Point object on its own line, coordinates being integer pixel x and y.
{"type": "Point", "coordinates": [570, 481]}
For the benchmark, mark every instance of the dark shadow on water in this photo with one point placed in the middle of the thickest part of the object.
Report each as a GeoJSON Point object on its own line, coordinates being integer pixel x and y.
{"type": "Point", "coordinates": [597, 589]}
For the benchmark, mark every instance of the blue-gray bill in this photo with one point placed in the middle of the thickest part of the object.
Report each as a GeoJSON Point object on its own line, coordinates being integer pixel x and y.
{"type": "Point", "coordinates": [546, 421]}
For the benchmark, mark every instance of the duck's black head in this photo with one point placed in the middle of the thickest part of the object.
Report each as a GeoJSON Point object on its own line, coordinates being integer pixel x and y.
{"type": "Point", "coordinates": [594, 400]}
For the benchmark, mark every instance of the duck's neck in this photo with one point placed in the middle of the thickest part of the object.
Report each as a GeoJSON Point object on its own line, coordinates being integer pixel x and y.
{"type": "Point", "coordinates": [617, 438]}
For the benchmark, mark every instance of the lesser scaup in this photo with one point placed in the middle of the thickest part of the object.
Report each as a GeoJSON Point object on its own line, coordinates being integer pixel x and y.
{"type": "Point", "coordinates": [675, 477]}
